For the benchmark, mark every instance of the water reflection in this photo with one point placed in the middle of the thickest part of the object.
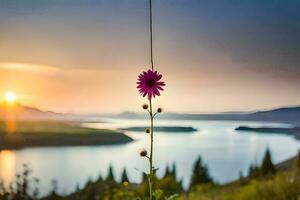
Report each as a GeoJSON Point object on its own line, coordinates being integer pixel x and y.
{"type": "Point", "coordinates": [7, 165]}
{"type": "Point", "coordinates": [10, 118]}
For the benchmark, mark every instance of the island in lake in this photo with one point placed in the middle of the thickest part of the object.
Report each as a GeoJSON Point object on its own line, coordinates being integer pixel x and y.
{"type": "Point", "coordinates": [174, 129]}
{"type": "Point", "coordinates": [49, 133]}
{"type": "Point", "coordinates": [294, 131]}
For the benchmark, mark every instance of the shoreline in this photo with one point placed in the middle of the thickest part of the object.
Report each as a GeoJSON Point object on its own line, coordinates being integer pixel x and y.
{"type": "Point", "coordinates": [56, 134]}
{"type": "Point", "coordinates": [295, 131]}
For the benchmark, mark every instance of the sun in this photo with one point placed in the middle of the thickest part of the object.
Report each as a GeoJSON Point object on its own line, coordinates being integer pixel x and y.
{"type": "Point", "coordinates": [10, 97]}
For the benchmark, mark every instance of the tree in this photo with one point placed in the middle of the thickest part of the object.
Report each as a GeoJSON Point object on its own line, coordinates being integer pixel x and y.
{"type": "Point", "coordinates": [167, 172]}
{"type": "Point", "coordinates": [267, 166]}
{"type": "Point", "coordinates": [173, 171]}
{"type": "Point", "coordinates": [100, 179]}
{"type": "Point", "coordinates": [124, 177]}
{"type": "Point", "coordinates": [200, 174]}
{"type": "Point", "coordinates": [170, 171]}
{"type": "Point", "coordinates": [241, 176]}
{"type": "Point", "coordinates": [144, 178]}
{"type": "Point", "coordinates": [297, 162]}
{"type": "Point", "coordinates": [110, 176]}
{"type": "Point", "coordinates": [251, 169]}
{"type": "Point", "coordinates": [254, 171]}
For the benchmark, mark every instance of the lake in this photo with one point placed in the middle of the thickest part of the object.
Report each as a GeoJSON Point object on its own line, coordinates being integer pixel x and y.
{"type": "Point", "coordinates": [225, 151]}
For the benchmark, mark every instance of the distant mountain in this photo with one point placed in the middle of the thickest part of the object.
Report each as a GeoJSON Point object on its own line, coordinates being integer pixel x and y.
{"type": "Point", "coordinates": [290, 115]}
{"type": "Point", "coordinates": [21, 112]}
{"type": "Point", "coordinates": [129, 115]}
{"type": "Point", "coordinates": [287, 115]}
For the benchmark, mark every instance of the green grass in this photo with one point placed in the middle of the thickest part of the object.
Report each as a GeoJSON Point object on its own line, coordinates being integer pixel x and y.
{"type": "Point", "coordinates": [282, 186]}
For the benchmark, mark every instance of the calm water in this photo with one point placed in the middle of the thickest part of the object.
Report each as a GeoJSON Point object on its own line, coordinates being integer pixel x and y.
{"type": "Point", "coordinates": [224, 150]}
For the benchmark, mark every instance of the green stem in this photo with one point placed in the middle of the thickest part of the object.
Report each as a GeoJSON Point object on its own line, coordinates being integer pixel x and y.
{"type": "Point", "coordinates": [151, 151]}
{"type": "Point", "coordinates": [151, 35]}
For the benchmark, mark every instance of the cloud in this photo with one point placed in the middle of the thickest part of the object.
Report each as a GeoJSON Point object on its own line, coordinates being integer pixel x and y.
{"type": "Point", "coordinates": [33, 68]}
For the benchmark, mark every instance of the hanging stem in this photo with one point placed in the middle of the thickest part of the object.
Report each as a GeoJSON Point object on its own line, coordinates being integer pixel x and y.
{"type": "Point", "coordinates": [151, 35]}
{"type": "Point", "coordinates": [151, 174]}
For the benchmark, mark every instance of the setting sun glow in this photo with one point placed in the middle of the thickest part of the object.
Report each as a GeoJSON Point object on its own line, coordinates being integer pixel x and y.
{"type": "Point", "coordinates": [10, 97]}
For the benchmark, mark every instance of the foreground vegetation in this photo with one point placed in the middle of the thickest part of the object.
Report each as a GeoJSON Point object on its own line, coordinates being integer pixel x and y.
{"type": "Point", "coordinates": [47, 133]}
{"type": "Point", "coordinates": [283, 186]}
{"type": "Point", "coordinates": [264, 182]}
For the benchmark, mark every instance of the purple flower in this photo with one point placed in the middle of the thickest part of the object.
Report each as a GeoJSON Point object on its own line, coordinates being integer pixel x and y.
{"type": "Point", "coordinates": [149, 84]}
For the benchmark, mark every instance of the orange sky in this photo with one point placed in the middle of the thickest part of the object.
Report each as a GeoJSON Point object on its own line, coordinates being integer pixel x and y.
{"type": "Point", "coordinates": [85, 58]}
{"type": "Point", "coordinates": [92, 90]}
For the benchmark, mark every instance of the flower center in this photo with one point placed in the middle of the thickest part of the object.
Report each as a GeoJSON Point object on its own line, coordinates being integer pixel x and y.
{"type": "Point", "coordinates": [150, 82]}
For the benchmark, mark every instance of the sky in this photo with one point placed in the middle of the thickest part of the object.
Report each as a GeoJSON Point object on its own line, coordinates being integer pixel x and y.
{"type": "Point", "coordinates": [83, 56]}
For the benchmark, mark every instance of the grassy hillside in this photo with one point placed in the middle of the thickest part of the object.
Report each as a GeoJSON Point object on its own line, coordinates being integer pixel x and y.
{"type": "Point", "coordinates": [284, 185]}
{"type": "Point", "coordinates": [47, 133]}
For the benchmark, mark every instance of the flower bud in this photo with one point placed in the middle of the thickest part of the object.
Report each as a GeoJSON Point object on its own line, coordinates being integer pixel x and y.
{"type": "Point", "coordinates": [143, 153]}
{"type": "Point", "coordinates": [145, 106]}
{"type": "Point", "coordinates": [148, 130]}
{"type": "Point", "coordinates": [159, 110]}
